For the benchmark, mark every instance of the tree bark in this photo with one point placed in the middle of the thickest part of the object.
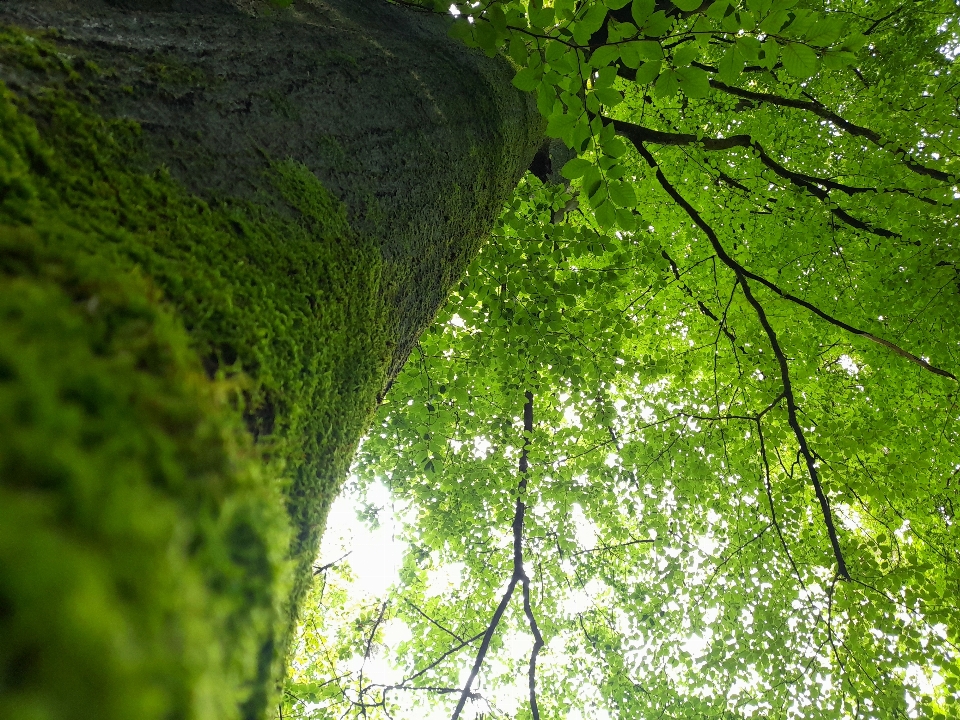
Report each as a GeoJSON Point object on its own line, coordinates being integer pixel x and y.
{"type": "Point", "coordinates": [222, 229]}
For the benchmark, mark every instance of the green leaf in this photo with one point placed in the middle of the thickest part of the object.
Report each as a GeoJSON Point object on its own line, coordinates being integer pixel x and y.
{"type": "Point", "coordinates": [769, 52]}
{"type": "Point", "coordinates": [518, 50]}
{"type": "Point", "coordinates": [731, 20]}
{"type": "Point", "coordinates": [606, 76]}
{"type": "Point", "coordinates": [598, 196]}
{"type": "Point", "coordinates": [608, 96]}
{"type": "Point", "coordinates": [641, 10]}
{"type": "Point", "coordinates": [575, 168]}
{"type": "Point", "coordinates": [593, 103]}
{"type": "Point", "coordinates": [648, 72]}
{"type": "Point", "coordinates": [581, 136]}
{"type": "Point", "coordinates": [604, 55]}
{"type": "Point", "coordinates": [559, 125]}
{"type": "Point", "coordinates": [854, 42]}
{"type": "Point", "coordinates": [606, 215]}
{"type": "Point", "coordinates": [657, 24]}
{"type": "Point", "coordinates": [838, 59]}
{"type": "Point", "coordinates": [749, 48]}
{"type": "Point", "coordinates": [626, 220]}
{"type": "Point", "coordinates": [694, 82]}
{"type": "Point", "coordinates": [526, 79]}
{"type": "Point", "coordinates": [494, 14]}
{"type": "Point", "coordinates": [801, 21]}
{"type": "Point", "coordinates": [825, 31]}
{"type": "Point", "coordinates": [585, 27]}
{"type": "Point", "coordinates": [731, 65]}
{"type": "Point", "coordinates": [630, 55]}
{"type": "Point", "coordinates": [546, 99]}
{"type": "Point", "coordinates": [773, 22]}
{"type": "Point", "coordinates": [688, 5]}
{"type": "Point", "coordinates": [667, 84]}
{"type": "Point", "coordinates": [554, 51]}
{"type": "Point", "coordinates": [615, 4]}
{"type": "Point", "coordinates": [622, 194]}
{"type": "Point", "coordinates": [617, 31]}
{"type": "Point", "coordinates": [541, 18]}
{"type": "Point", "coordinates": [487, 37]}
{"type": "Point", "coordinates": [591, 181]}
{"type": "Point", "coordinates": [685, 54]}
{"type": "Point", "coordinates": [799, 60]}
{"type": "Point", "coordinates": [647, 49]}
{"type": "Point", "coordinates": [614, 146]}
{"type": "Point", "coordinates": [718, 10]}
{"type": "Point", "coordinates": [461, 30]}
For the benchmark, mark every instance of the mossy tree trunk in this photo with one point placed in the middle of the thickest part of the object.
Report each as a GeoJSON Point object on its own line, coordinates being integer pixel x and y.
{"type": "Point", "coordinates": [221, 232]}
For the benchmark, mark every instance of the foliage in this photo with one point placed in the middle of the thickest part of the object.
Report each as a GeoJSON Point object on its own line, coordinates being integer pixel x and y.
{"type": "Point", "coordinates": [144, 335]}
{"type": "Point", "coordinates": [737, 320]}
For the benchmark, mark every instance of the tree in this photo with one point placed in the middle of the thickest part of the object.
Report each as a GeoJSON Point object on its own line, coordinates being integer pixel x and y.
{"type": "Point", "coordinates": [757, 141]}
{"type": "Point", "coordinates": [736, 325]}
{"type": "Point", "coordinates": [220, 236]}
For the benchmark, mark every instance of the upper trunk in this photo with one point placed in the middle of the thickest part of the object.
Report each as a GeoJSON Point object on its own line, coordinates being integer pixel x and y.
{"type": "Point", "coordinates": [287, 211]}
{"type": "Point", "coordinates": [419, 137]}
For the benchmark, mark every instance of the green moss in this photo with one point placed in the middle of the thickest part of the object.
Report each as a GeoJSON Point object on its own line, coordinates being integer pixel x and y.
{"type": "Point", "coordinates": [173, 375]}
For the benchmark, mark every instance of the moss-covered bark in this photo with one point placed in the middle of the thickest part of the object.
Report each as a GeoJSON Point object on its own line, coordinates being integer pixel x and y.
{"type": "Point", "coordinates": [219, 237]}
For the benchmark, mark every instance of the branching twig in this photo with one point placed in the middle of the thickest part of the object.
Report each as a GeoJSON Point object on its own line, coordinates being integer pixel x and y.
{"type": "Point", "coordinates": [518, 576]}
{"type": "Point", "coordinates": [777, 351]}
{"type": "Point", "coordinates": [816, 186]}
{"type": "Point", "coordinates": [822, 111]}
{"type": "Point", "coordinates": [320, 569]}
{"type": "Point", "coordinates": [429, 619]}
{"type": "Point", "coordinates": [636, 138]}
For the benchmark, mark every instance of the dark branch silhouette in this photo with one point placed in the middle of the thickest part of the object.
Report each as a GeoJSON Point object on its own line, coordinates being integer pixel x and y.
{"type": "Point", "coordinates": [634, 134]}
{"type": "Point", "coordinates": [777, 351]}
{"type": "Point", "coordinates": [822, 111]}
{"type": "Point", "coordinates": [320, 569]}
{"type": "Point", "coordinates": [816, 186]}
{"type": "Point", "coordinates": [518, 576]}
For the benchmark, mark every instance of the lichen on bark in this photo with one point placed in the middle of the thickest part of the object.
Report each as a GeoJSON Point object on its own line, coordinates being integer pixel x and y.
{"type": "Point", "coordinates": [219, 237]}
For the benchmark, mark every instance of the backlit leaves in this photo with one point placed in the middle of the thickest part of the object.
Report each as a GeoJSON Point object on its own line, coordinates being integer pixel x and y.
{"type": "Point", "coordinates": [800, 60]}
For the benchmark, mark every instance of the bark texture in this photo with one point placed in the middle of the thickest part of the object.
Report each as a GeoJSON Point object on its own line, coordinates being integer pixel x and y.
{"type": "Point", "coordinates": [418, 136]}
{"type": "Point", "coordinates": [222, 228]}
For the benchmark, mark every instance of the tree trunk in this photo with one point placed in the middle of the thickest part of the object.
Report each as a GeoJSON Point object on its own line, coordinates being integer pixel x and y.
{"type": "Point", "coordinates": [220, 236]}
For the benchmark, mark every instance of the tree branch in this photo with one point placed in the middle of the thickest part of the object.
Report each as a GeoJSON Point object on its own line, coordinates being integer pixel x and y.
{"type": "Point", "coordinates": [537, 645]}
{"type": "Point", "coordinates": [608, 548]}
{"type": "Point", "coordinates": [366, 654]}
{"type": "Point", "coordinates": [773, 512]}
{"type": "Point", "coordinates": [429, 619]}
{"type": "Point", "coordinates": [822, 111]}
{"type": "Point", "coordinates": [443, 657]}
{"type": "Point", "coordinates": [319, 569]}
{"type": "Point", "coordinates": [777, 351]}
{"type": "Point", "coordinates": [465, 694]}
{"type": "Point", "coordinates": [741, 270]}
{"type": "Point", "coordinates": [518, 576]}
{"type": "Point", "coordinates": [818, 187]}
